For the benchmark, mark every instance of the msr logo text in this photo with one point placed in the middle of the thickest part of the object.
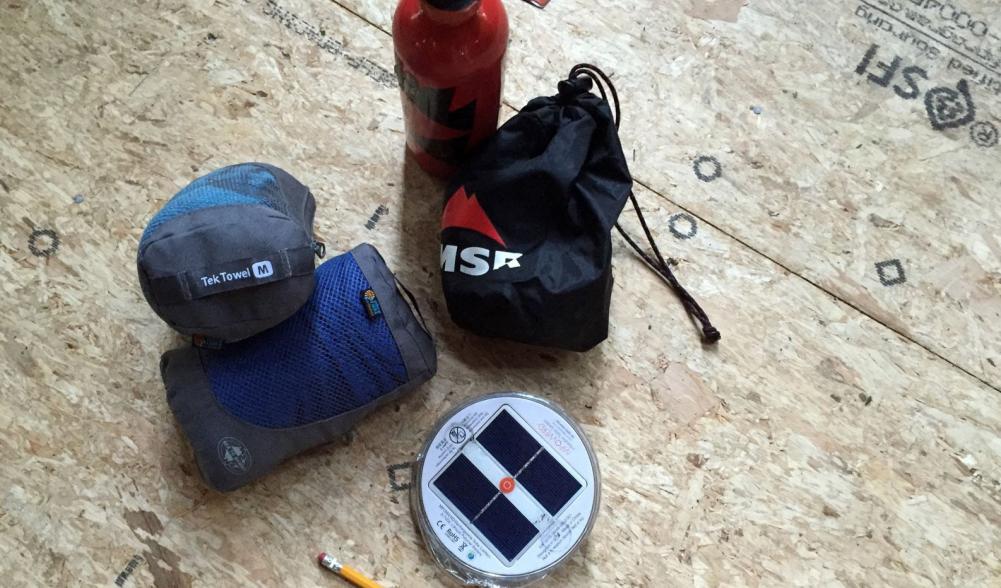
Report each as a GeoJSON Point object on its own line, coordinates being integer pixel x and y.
{"type": "Point", "coordinates": [476, 260]}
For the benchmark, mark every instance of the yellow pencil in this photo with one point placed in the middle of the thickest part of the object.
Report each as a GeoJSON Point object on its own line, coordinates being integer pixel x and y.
{"type": "Point", "coordinates": [350, 574]}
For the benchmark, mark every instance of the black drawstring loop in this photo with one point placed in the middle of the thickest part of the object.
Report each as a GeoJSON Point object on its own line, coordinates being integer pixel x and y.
{"type": "Point", "coordinates": [657, 263]}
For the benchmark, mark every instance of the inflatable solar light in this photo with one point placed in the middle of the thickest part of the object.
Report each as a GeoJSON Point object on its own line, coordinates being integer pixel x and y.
{"type": "Point", "coordinates": [506, 490]}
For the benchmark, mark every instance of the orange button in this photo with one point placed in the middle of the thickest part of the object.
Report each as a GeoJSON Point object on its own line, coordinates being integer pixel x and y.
{"type": "Point", "coordinates": [507, 485]}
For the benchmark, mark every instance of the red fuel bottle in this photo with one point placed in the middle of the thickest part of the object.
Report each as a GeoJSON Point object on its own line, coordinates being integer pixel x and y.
{"type": "Point", "coordinates": [449, 62]}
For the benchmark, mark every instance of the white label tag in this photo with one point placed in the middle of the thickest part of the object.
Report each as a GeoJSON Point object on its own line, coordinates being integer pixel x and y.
{"type": "Point", "coordinates": [262, 269]}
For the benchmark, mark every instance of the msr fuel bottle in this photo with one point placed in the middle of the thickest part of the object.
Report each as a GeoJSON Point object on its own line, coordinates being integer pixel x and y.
{"type": "Point", "coordinates": [449, 62]}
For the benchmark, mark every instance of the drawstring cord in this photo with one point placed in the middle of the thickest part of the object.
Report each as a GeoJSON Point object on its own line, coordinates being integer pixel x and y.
{"type": "Point", "coordinates": [657, 263]}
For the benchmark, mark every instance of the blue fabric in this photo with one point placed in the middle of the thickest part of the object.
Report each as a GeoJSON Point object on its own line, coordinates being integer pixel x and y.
{"type": "Point", "coordinates": [229, 186]}
{"type": "Point", "coordinates": [326, 359]}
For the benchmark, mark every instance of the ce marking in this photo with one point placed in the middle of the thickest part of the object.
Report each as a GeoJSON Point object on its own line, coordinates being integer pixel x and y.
{"type": "Point", "coordinates": [441, 525]}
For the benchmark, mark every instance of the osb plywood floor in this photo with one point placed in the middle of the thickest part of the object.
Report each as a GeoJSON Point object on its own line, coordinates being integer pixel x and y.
{"type": "Point", "coordinates": [838, 221]}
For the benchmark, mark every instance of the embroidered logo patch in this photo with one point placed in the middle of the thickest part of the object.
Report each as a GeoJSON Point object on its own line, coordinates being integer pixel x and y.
{"type": "Point", "coordinates": [234, 455]}
{"type": "Point", "coordinates": [371, 303]}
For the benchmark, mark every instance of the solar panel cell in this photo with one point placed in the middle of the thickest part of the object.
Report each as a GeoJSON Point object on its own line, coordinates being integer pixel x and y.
{"type": "Point", "coordinates": [505, 527]}
{"type": "Point", "coordinates": [549, 482]}
{"type": "Point", "coordinates": [508, 442]}
{"type": "Point", "coordinates": [464, 485]}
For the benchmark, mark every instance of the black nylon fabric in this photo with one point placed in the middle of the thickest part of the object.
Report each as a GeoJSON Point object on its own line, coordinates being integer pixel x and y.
{"type": "Point", "coordinates": [549, 186]}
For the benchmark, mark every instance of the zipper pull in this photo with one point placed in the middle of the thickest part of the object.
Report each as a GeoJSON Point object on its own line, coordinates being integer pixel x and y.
{"type": "Point", "coordinates": [319, 248]}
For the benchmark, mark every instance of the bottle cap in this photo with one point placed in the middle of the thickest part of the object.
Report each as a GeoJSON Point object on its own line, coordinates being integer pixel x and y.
{"type": "Point", "coordinates": [451, 5]}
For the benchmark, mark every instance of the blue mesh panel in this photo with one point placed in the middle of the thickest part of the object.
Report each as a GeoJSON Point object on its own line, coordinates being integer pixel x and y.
{"type": "Point", "coordinates": [325, 360]}
{"type": "Point", "coordinates": [236, 184]}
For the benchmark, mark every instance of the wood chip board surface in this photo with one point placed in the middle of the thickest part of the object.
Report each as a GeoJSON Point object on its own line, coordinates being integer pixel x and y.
{"type": "Point", "coordinates": [800, 160]}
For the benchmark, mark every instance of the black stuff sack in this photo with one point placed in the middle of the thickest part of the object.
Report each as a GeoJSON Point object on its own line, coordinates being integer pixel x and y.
{"type": "Point", "coordinates": [231, 254]}
{"type": "Point", "coordinates": [526, 245]}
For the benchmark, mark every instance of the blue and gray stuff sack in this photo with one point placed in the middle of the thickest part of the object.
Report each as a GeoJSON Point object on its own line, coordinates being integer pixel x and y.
{"type": "Point", "coordinates": [250, 405]}
{"type": "Point", "coordinates": [231, 254]}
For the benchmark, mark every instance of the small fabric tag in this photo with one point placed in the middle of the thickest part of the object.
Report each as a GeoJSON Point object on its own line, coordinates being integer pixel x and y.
{"type": "Point", "coordinates": [206, 342]}
{"type": "Point", "coordinates": [232, 275]}
{"type": "Point", "coordinates": [237, 274]}
{"type": "Point", "coordinates": [371, 303]}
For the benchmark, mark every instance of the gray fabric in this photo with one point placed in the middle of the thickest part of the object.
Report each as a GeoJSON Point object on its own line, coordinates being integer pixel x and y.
{"type": "Point", "coordinates": [209, 241]}
{"type": "Point", "coordinates": [300, 204]}
{"type": "Point", "coordinates": [230, 452]}
{"type": "Point", "coordinates": [415, 344]}
{"type": "Point", "coordinates": [232, 275]}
